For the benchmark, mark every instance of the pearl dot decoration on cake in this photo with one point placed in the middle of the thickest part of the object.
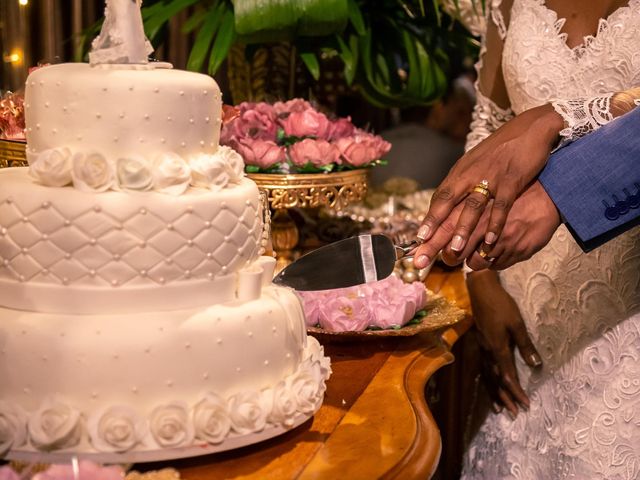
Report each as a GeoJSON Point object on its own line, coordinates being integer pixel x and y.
{"type": "Point", "coordinates": [25, 219]}
{"type": "Point", "coordinates": [46, 104]}
{"type": "Point", "coordinates": [169, 226]}
{"type": "Point", "coordinates": [143, 273]}
{"type": "Point", "coordinates": [114, 283]}
{"type": "Point", "coordinates": [205, 375]}
{"type": "Point", "coordinates": [97, 208]}
{"type": "Point", "coordinates": [98, 116]}
{"type": "Point", "coordinates": [116, 257]}
{"type": "Point", "coordinates": [183, 144]}
{"type": "Point", "coordinates": [143, 211]}
{"type": "Point", "coordinates": [67, 223]}
{"type": "Point", "coordinates": [92, 273]}
{"type": "Point", "coordinates": [207, 119]}
{"type": "Point", "coordinates": [121, 115]}
{"type": "Point", "coordinates": [93, 241]}
{"type": "Point", "coordinates": [187, 345]}
{"type": "Point", "coordinates": [65, 280]}
{"type": "Point", "coordinates": [156, 90]}
{"type": "Point", "coordinates": [147, 116]}
{"type": "Point", "coordinates": [192, 121]}
{"type": "Point", "coordinates": [238, 369]}
{"type": "Point", "coordinates": [161, 280]}
{"type": "Point", "coordinates": [168, 118]}
{"type": "Point", "coordinates": [24, 250]}
{"type": "Point", "coordinates": [181, 93]}
{"type": "Point", "coordinates": [207, 224]}
{"type": "Point", "coordinates": [134, 389]}
{"type": "Point", "coordinates": [250, 334]}
{"type": "Point", "coordinates": [219, 341]}
{"type": "Point", "coordinates": [266, 363]}
{"type": "Point", "coordinates": [169, 383]}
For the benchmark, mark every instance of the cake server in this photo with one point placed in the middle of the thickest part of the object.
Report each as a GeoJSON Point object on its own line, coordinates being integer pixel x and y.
{"type": "Point", "coordinates": [349, 262]}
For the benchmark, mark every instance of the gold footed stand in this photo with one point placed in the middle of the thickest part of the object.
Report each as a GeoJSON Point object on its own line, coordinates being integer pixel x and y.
{"type": "Point", "coordinates": [305, 190]}
{"type": "Point", "coordinates": [13, 153]}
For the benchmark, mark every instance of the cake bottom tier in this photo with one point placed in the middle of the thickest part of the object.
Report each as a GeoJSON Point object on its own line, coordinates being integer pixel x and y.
{"type": "Point", "coordinates": [157, 385]}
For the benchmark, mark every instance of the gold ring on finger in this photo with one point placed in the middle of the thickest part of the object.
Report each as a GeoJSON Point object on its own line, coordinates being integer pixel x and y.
{"type": "Point", "coordinates": [483, 188]}
{"type": "Point", "coordinates": [485, 256]}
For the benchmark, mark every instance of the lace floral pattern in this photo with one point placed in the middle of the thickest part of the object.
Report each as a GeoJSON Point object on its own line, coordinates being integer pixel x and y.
{"type": "Point", "coordinates": [583, 116]}
{"type": "Point", "coordinates": [582, 310]}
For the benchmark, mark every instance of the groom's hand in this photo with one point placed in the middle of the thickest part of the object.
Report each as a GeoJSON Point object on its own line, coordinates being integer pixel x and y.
{"type": "Point", "coordinates": [530, 225]}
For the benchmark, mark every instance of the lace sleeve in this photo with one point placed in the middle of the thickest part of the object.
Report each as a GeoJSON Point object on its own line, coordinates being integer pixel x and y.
{"type": "Point", "coordinates": [491, 92]}
{"type": "Point", "coordinates": [583, 116]}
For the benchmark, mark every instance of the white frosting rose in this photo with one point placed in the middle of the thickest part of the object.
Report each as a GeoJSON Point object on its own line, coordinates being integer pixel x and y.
{"type": "Point", "coordinates": [55, 425]}
{"type": "Point", "coordinates": [315, 353]}
{"type": "Point", "coordinates": [51, 167]}
{"type": "Point", "coordinates": [284, 405]}
{"type": "Point", "coordinates": [116, 429]}
{"type": "Point", "coordinates": [134, 173]}
{"type": "Point", "coordinates": [211, 419]}
{"type": "Point", "coordinates": [92, 172]}
{"type": "Point", "coordinates": [13, 426]}
{"type": "Point", "coordinates": [248, 412]}
{"type": "Point", "coordinates": [171, 174]}
{"type": "Point", "coordinates": [209, 171]}
{"type": "Point", "coordinates": [308, 387]}
{"type": "Point", "coordinates": [233, 161]}
{"type": "Point", "coordinates": [170, 425]}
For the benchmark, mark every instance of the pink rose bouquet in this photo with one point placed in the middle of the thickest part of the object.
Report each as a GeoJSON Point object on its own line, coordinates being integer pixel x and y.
{"type": "Point", "coordinates": [388, 303]}
{"type": "Point", "coordinates": [12, 116]}
{"type": "Point", "coordinates": [294, 137]}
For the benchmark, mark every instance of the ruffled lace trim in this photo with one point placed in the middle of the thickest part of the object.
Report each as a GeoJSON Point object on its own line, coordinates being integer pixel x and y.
{"type": "Point", "coordinates": [583, 116]}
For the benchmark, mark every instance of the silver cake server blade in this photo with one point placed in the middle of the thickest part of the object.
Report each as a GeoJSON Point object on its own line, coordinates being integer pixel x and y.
{"type": "Point", "coordinates": [349, 262]}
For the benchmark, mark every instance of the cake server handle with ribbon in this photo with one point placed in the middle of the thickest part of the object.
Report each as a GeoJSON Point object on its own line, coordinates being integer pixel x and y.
{"type": "Point", "coordinates": [352, 261]}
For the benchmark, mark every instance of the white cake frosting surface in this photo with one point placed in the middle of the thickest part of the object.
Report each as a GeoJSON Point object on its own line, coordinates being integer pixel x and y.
{"type": "Point", "coordinates": [138, 320]}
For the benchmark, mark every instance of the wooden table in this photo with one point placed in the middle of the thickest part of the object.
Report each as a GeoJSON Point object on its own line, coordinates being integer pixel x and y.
{"type": "Point", "coordinates": [374, 422]}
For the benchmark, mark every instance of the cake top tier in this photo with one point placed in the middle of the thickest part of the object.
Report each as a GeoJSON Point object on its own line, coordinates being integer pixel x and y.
{"type": "Point", "coordinates": [127, 127]}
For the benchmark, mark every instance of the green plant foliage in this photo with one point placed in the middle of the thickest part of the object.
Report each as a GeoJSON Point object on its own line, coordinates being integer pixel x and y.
{"type": "Point", "coordinates": [394, 52]}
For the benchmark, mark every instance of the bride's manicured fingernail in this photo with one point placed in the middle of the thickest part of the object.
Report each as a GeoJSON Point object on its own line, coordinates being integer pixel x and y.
{"type": "Point", "coordinates": [423, 232]}
{"type": "Point", "coordinates": [457, 244]}
{"type": "Point", "coordinates": [490, 238]}
{"type": "Point", "coordinates": [422, 261]}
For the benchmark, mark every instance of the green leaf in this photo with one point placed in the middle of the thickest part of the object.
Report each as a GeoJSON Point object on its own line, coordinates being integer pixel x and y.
{"type": "Point", "coordinates": [194, 21]}
{"type": "Point", "coordinates": [203, 40]}
{"type": "Point", "coordinates": [355, 17]}
{"type": "Point", "coordinates": [348, 59]}
{"type": "Point", "coordinates": [310, 59]}
{"type": "Point", "coordinates": [161, 13]}
{"type": "Point", "coordinates": [251, 168]}
{"type": "Point", "coordinates": [222, 43]}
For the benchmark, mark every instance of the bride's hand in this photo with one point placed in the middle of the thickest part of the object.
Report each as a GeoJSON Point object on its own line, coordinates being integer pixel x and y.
{"type": "Point", "coordinates": [500, 327]}
{"type": "Point", "coordinates": [509, 160]}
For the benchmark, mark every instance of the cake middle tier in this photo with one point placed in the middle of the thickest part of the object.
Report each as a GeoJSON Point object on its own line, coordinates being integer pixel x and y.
{"type": "Point", "coordinates": [126, 248]}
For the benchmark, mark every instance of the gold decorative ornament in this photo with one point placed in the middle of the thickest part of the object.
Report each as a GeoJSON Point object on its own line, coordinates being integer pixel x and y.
{"type": "Point", "coordinates": [334, 190]}
{"type": "Point", "coordinates": [13, 153]}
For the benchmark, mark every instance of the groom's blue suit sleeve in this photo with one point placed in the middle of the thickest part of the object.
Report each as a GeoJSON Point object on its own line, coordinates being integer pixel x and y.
{"type": "Point", "coordinates": [595, 181]}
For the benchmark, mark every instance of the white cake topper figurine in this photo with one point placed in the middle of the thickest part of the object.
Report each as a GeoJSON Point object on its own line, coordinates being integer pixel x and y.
{"type": "Point", "coordinates": [122, 38]}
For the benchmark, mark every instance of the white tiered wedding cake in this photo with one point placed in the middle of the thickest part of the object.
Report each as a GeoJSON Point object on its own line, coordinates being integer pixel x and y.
{"type": "Point", "coordinates": [137, 318]}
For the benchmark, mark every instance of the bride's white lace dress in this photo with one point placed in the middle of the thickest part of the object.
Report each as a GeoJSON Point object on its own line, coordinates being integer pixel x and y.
{"type": "Point", "coordinates": [582, 310]}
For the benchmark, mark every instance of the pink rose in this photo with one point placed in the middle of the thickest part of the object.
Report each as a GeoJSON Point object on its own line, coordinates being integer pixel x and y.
{"type": "Point", "coordinates": [312, 302]}
{"type": "Point", "coordinates": [308, 123]}
{"type": "Point", "coordinates": [255, 120]}
{"type": "Point", "coordinates": [262, 153]}
{"type": "Point", "coordinates": [340, 128]}
{"type": "Point", "coordinates": [362, 148]}
{"type": "Point", "coordinates": [355, 151]}
{"type": "Point", "coordinates": [87, 471]}
{"type": "Point", "coordinates": [295, 105]}
{"type": "Point", "coordinates": [316, 152]}
{"type": "Point", "coordinates": [343, 314]}
{"type": "Point", "coordinates": [7, 473]}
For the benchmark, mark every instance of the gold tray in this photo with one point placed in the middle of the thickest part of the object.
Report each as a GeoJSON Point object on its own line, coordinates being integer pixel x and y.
{"type": "Point", "coordinates": [440, 313]}
{"type": "Point", "coordinates": [13, 153]}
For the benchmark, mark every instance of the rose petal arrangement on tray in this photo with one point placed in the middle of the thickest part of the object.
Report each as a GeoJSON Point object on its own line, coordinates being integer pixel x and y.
{"type": "Point", "coordinates": [294, 137]}
{"type": "Point", "coordinates": [12, 117]}
{"type": "Point", "coordinates": [386, 304]}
